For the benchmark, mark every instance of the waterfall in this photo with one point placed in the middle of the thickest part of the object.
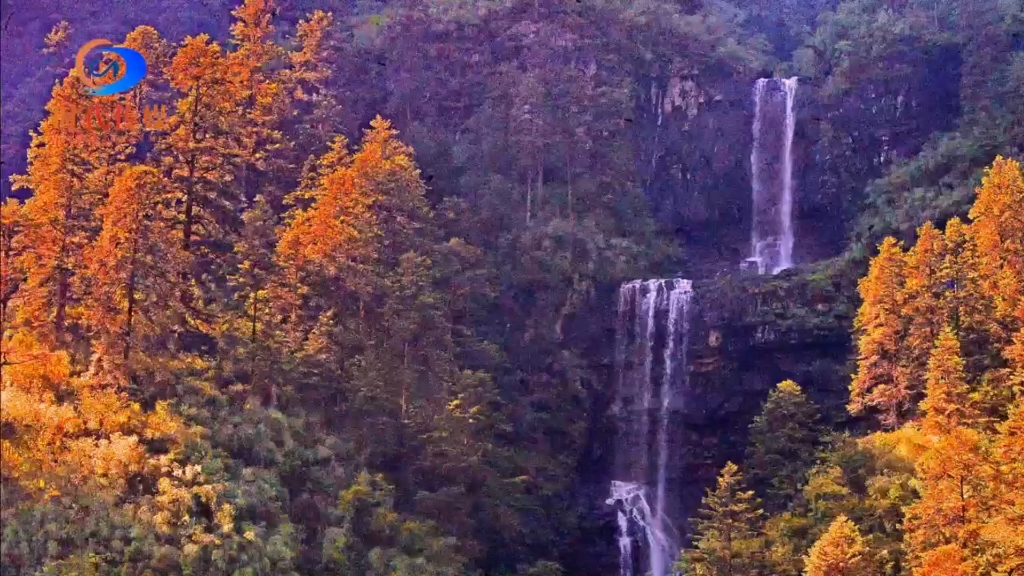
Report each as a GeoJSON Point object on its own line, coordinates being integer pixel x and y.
{"type": "Point", "coordinates": [652, 332]}
{"type": "Point", "coordinates": [771, 165]}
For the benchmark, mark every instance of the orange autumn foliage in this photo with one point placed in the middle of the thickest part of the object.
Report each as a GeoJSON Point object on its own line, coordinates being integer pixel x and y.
{"type": "Point", "coordinates": [134, 269]}
{"type": "Point", "coordinates": [879, 382]}
{"type": "Point", "coordinates": [11, 222]}
{"type": "Point", "coordinates": [956, 363]}
{"type": "Point", "coordinates": [969, 277]}
{"type": "Point", "coordinates": [357, 199]}
{"type": "Point", "coordinates": [69, 170]}
{"type": "Point", "coordinates": [947, 403]}
{"type": "Point", "coordinates": [945, 560]}
{"type": "Point", "coordinates": [839, 552]}
{"type": "Point", "coordinates": [69, 432]}
{"type": "Point", "coordinates": [1003, 535]}
{"type": "Point", "coordinates": [998, 232]}
{"type": "Point", "coordinates": [204, 140]}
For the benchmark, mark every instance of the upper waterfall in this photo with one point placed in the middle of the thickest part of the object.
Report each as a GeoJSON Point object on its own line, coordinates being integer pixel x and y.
{"type": "Point", "coordinates": [652, 333]}
{"type": "Point", "coordinates": [771, 164]}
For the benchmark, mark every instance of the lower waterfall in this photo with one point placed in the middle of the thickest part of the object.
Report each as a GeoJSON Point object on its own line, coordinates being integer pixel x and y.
{"type": "Point", "coordinates": [650, 366]}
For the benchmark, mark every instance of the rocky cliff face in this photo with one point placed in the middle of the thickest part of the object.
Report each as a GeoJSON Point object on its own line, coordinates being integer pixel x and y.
{"type": "Point", "coordinates": [744, 334]}
{"type": "Point", "coordinates": [694, 142]}
{"type": "Point", "coordinates": [748, 333]}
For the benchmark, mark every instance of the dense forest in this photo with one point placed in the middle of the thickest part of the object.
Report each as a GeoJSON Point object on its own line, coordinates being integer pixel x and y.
{"type": "Point", "coordinates": [349, 310]}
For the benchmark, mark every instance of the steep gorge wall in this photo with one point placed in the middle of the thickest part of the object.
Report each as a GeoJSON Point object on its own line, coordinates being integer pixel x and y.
{"type": "Point", "coordinates": [693, 141]}
{"type": "Point", "coordinates": [747, 332]}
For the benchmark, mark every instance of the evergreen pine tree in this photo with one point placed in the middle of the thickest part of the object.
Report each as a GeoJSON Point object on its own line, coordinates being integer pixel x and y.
{"type": "Point", "coordinates": [783, 445]}
{"type": "Point", "coordinates": [254, 317]}
{"type": "Point", "coordinates": [727, 536]}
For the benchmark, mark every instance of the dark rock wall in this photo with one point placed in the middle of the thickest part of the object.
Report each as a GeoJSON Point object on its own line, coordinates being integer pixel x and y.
{"type": "Point", "coordinates": [694, 138]}
{"type": "Point", "coordinates": [747, 334]}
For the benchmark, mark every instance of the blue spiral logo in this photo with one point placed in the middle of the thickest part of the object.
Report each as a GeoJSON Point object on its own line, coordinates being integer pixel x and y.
{"type": "Point", "coordinates": [127, 73]}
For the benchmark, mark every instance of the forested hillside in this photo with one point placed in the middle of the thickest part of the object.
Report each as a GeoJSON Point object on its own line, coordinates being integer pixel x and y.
{"type": "Point", "coordinates": [350, 310]}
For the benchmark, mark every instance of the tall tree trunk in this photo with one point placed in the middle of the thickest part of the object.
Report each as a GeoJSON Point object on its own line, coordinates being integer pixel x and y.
{"type": "Point", "coordinates": [405, 382]}
{"type": "Point", "coordinates": [186, 232]}
{"type": "Point", "coordinates": [131, 297]}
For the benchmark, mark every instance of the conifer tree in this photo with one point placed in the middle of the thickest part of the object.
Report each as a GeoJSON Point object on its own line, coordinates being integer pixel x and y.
{"type": "Point", "coordinates": [969, 305]}
{"type": "Point", "coordinates": [134, 270]}
{"type": "Point", "coordinates": [947, 403]}
{"type": "Point", "coordinates": [253, 283]}
{"type": "Point", "coordinates": [11, 275]}
{"type": "Point", "coordinates": [313, 63]}
{"type": "Point", "coordinates": [72, 161]}
{"type": "Point", "coordinates": [203, 147]}
{"type": "Point", "coordinates": [839, 552]}
{"type": "Point", "coordinates": [356, 216]}
{"type": "Point", "coordinates": [727, 536]}
{"type": "Point", "coordinates": [925, 303]}
{"type": "Point", "coordinates": [997, 230]}
{"type": "Point", "coordinates": [879, 383]}
{"type": "Point", "coordinates": [956, 496]}
{"type": "Point", "coordinates": [376, 540]}
{"type": "Point", "coordinates": [783, 444]}
{"type": "Point", "coordinates": [256, 62]}
{"type": "Point", "coordinates": [1003, 534]}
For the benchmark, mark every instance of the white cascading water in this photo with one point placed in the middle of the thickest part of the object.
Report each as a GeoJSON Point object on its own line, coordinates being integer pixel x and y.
{"type": "Point", "coordinates": [652, 329]}
{"type": "Point", "coordinates": [771, 164]}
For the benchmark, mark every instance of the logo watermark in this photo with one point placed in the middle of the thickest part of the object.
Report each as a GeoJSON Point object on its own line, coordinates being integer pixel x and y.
{"type": "Point", "coordinates": [121, 73]}
{"type": "Point", "coordinates": [126, 73]}
{"type": "Point", "coordinates": [112, 117]}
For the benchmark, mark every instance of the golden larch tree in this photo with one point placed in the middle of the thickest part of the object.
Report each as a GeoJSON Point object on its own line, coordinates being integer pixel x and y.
{"type": "Point", "coordinates": [10, 248]}
{"type": "Point", "coordinates": [947, 402]}
{"type": "Point", "coordinates": [879, 383]}
{"type": "Point", "coordinates": [256, 63]}
{"type": "Point", "coordinates": [134, 269]}
{"type": "Point", "coordinates": [997, 229]}
{"type": "Point", "coordinates": [924, 297]}
{"type": "Point", "coordinates": [72, 161]}
{"type": "Point", "coordinates": [1003, 535]}
{"type": "Point", "coordinates": [840, 551]}
{"type": "Point", "coordinates": [956, 495]}
{"type": "Point", "coordinates": [968, 305]}
{"type": "Point", "coordinates": [312, 64]}
{"type": "Point", "coordinates": [157, 52]}
{"type": "Point", "coordinates": [367, 207]}
{"type": "Point", "coordinates": [203, 144]}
